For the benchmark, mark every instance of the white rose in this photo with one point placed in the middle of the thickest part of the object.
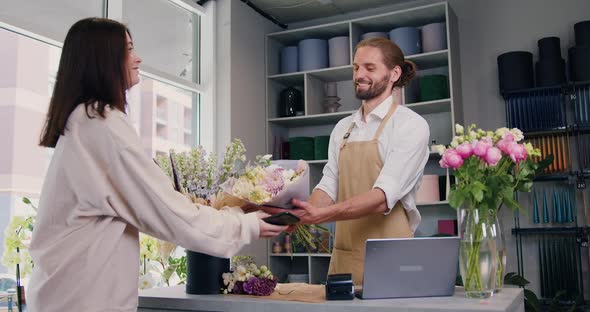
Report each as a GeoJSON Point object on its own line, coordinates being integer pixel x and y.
{"type": "Point", "coordinates": [459, 129]}
{"type": "Point", "coordinates": [518, 136]}
{"type": "Point", "coordinates": [502, 132]}
{"type": "Point", "coordinates": [440, 149]}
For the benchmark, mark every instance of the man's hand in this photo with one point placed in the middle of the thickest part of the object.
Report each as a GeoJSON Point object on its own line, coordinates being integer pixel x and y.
{"type": "Point", "coordinates": [268, 230]}
{"type": "Point", "coordinates": [308, 213]}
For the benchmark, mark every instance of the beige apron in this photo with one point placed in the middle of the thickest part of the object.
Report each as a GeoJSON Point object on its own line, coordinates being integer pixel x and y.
{"type": "Point", "coordinates": [359, 165]}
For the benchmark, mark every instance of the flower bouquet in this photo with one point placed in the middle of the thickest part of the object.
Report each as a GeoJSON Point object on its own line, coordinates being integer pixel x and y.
{"type": "Point", "coordinates": [247, 278]}
{"type": "Point", "coordinates": [276, 183]}
{"type": "Point", "coordinates": [270, 183]}
{"type": "Point", "coordinates": [489, 166]}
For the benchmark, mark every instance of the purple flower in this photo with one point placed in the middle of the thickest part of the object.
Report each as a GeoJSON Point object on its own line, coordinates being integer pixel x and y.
{"type": "Point", "coordinates": [260, 286]}
{"type": "Point", "coordinates": [273, 181]}
{"type": "Point", "coordinates": [238, 288]}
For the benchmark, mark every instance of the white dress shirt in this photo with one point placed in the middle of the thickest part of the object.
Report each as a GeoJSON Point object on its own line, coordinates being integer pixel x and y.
{"type": "Point", "coordinates": [403, 146]}
{"type": "Point", "coordinates": [100, 191]}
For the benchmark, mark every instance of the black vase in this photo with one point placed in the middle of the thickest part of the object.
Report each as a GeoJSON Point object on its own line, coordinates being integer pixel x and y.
{"type": "Point", "coordinates": [203, 273]}
{"type": "Point", "coordinates": [291, 103]}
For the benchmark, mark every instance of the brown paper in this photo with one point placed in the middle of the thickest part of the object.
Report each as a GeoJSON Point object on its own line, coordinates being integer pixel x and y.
{"type": "Point", "coordinates": [301, 292]}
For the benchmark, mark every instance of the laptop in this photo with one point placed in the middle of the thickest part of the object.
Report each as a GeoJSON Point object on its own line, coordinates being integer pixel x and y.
{"type": "Point", "coordinates": [410, 267]}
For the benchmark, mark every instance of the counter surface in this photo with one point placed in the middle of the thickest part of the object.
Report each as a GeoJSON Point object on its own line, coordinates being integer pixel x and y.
{"type": "Point", "coordinates": [175, 299]}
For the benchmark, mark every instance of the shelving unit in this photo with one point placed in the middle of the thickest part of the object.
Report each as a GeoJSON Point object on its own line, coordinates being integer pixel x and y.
{"type": "Point", "coordinates": [556, 119]}
{"type": "Point", "coordinates": [440, 114]}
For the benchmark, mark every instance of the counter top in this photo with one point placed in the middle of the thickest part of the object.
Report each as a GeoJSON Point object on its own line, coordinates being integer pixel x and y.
{"type": "Point", "coordinates": [175, 299]}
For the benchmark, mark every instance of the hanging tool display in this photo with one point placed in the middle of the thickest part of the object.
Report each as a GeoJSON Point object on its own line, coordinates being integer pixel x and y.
{"type": "Point", "coordinates": [536, 110]}
{"type": "Point", "coordinates": [557, 145]}
{"type": "Point", "coordinates": [582, 104]}
{"type": "Point", "coordinates": [559, 259]}
{"type": "Point", "coordinates": [562, 205]}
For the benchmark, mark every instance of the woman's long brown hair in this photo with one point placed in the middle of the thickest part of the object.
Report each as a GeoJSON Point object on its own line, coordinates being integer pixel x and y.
{"type": "Point", "coordinates": [91, 70]}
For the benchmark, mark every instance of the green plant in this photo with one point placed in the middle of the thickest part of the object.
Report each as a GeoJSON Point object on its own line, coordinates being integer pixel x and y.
{"type": "Point", "coordinates": [532, 302]}
{"type": "Point", "coordinates": [17, 237]}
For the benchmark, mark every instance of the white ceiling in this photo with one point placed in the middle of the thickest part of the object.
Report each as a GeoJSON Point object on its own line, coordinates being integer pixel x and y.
{"type": "Point", "coordinates": [293, 11]}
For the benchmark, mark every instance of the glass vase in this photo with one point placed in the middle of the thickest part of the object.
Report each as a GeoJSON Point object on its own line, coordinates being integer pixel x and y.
{"type": "Point", "coordinates": [498, 234]}
{"type": "Point", "coordinates": [478, 261]}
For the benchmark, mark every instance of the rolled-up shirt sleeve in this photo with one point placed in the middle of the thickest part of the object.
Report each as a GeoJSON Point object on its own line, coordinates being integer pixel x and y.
{"type": "Point", "coordinates": [143, 197]}
{"type": "Point", "coordinates": [404, 161]}
{"type": "Point", "coordinates": [329, 181]}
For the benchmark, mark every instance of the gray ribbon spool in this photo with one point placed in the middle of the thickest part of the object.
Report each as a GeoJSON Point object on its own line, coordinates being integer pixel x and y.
{"type": "Point", "coordinates": [434, 37]}
{"type": "Point", "coordinates": [339, 51]}
{"type": "Point", "coordinates": [289, 59]}
{"type": "Point", "coordinates": [313, 54]}
{"type": "Point", "coordinates": [407, 39]}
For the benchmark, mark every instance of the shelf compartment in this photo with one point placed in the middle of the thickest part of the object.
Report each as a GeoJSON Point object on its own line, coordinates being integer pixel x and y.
{"type": "Point", "coordinates": [416, 17]}
{"type": "Point", "coordinates": [310, 120]}
{"type": "Point", "coordinates": [281, 267]}
{"type": "Point", "coordinates": [319, 270]}
{"type": "Point", "coordinates": [329, 74]}
{"type": "Point", "coordinates": [332, 74]}
{"type": "Point", "coordinates": [430, 59]}
{"type": "Point", "coordinates": [431, 107]}
{"type": "Point", "coordinates": [295, 79]}
{"type": "Point", "coordinates": [327, 31]}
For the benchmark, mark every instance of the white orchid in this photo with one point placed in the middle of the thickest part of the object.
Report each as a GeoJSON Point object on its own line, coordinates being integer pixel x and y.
{"type": "Point", "coordinates": [146, 281]}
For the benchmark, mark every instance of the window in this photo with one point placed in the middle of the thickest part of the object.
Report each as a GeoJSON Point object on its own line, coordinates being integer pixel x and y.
{"type": "Point", "coordinates": [28, 73]}
{"type": "Point", "coordinates": [50, 19]}
{"type": "Point", "coordinates": [165, 106]}
{"type": "Point", "coordinates": [165, 35]}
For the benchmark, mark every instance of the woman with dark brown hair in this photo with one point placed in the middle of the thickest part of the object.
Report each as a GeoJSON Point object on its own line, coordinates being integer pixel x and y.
{"type": "Point", "coordinates": [101, 189]}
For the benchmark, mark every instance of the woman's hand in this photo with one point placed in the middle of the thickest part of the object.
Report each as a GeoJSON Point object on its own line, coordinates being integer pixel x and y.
{"type": "Point", "coordinates": [268, 230]}
{"type": "Point", "coordinates": [307, 213]}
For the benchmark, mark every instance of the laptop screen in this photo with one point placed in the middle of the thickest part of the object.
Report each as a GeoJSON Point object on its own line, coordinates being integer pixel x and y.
{"type": "Point", "coordinates": [410, 267]}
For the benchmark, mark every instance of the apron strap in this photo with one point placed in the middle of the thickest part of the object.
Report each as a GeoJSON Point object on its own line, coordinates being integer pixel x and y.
{"type": "Point", "coordinates": [346, 136]}
{"type": "Point", "coordinates": [379, 130]}
{"type": "Point", "coordinates": [385, 119]}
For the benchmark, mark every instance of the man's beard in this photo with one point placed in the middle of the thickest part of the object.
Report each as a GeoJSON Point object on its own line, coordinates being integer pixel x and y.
{"type": "Point", "coordinates": [375, 90]}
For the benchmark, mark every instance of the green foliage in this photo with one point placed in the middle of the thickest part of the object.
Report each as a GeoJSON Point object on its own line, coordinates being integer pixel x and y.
{"type": "Point", "coordinates": [532, 302]}
{"type": "Point", "coordinates": [17, 237]}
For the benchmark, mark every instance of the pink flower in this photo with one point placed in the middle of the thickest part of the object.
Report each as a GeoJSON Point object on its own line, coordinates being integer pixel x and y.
{"type": "Point", "coordinates": [451, 159]}
{"type": "Point", "coordinates": [506, 143]}
{"type": "Point", "coordinates": [464, 150]}
{"type": "Point", "coordinates": [481, 147]}
{"type": "Point", "coordinates": [493, 156]}
{"type": "Point", "coordinates": [518, 153]}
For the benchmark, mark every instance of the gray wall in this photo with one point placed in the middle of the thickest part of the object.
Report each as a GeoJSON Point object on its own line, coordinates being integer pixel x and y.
{"type": "Point", "coordinates": [241, 83]}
